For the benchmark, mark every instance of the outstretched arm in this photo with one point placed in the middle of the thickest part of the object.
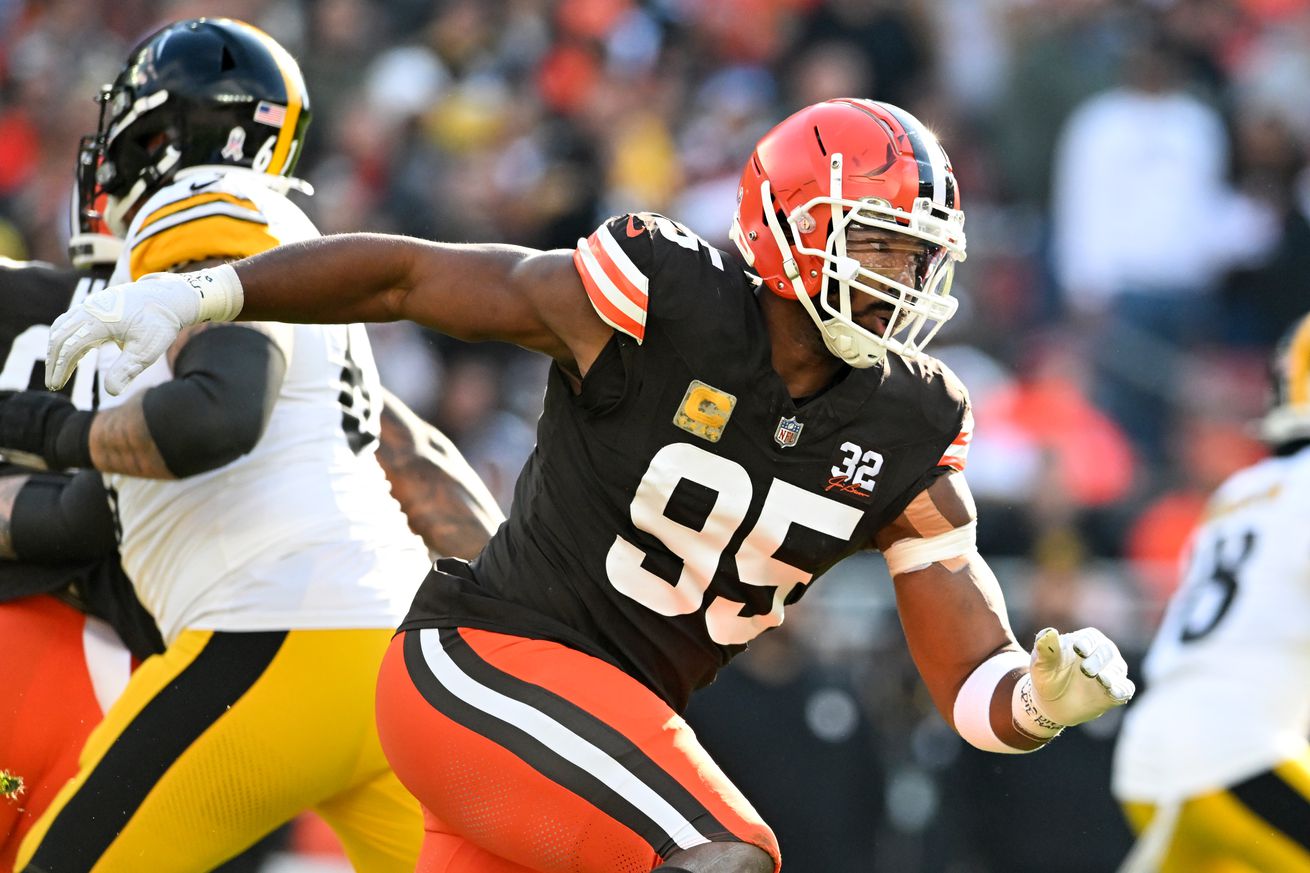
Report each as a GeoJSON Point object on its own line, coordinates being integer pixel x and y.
{"type": "Point", "coordinates": [445, 501]}
{"type": "Point", "coordinates": [995, 695]}
{"type": "Point", "coordinates": [214, 410]}
{"type": "Point", "coordinates": [475, 292]}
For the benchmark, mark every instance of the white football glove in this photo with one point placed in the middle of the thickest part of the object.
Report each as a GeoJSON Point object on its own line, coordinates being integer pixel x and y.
{"type": "Point", "coordinates": [1077, 676]}
{"type": "Point", "coordinates": [143, 317]}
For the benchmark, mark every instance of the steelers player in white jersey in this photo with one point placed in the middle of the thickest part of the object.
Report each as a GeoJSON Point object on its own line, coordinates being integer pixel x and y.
{"type": "Point", "coordinates": [256, 523]}
{"type": "Point", "coordinates": [1213, 766]}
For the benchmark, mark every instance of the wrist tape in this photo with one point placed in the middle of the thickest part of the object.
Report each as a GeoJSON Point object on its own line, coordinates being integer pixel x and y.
{"type": "Point", "coordinates": [973, 710]}
{"type": "Point", "coordinates": [220, 292]}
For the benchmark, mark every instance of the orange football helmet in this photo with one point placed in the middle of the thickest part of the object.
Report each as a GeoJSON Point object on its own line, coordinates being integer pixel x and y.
{"type": "Point", "coordinates": [835, 166]}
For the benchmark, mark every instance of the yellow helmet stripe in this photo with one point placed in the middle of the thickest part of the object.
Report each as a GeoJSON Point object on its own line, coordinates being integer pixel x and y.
{"type": "Point", "coordinates": [295, 85]}
{"type": "Point", "coordinates": [1298, 365]}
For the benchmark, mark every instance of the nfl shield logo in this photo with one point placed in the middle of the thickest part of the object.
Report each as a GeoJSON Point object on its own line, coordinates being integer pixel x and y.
{"type": "Point", "coordinates": [789, 430]}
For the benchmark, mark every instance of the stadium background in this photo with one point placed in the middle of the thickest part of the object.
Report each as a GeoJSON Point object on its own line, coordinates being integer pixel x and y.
{"type": "Point", "coordinates": [1133, 174]}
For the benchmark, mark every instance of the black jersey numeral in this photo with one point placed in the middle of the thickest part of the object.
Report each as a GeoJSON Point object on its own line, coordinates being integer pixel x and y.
{"type": "Point", "coordinates": [1211, 587]}
{"type": "Point", "coordinates": [111, 494]}
{"type": "Point", "coordinates": [360, 420]}
{"type": "Point", "coordinates": [694, 502]}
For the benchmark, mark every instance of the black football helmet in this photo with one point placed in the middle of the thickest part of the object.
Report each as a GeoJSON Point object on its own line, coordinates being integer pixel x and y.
{"type": "Point", "coordinates": [207, 91]}
{"type": "Point", "coordinates": [1288, 419]}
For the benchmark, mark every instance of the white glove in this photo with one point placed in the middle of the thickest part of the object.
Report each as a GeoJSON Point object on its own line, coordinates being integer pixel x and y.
{"type": "Point", "coordinates": [143, 317]}
{"type": "Point", "coordinates": [1076, 676]}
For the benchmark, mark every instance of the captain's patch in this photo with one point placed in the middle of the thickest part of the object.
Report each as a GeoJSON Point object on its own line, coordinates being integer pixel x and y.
{"type": "Point", "coordinates": [704, 411]}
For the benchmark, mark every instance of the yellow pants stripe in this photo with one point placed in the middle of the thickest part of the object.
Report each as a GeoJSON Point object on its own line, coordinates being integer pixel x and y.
{"type": "Point", "coordinates": [221, 739]}
{"type": "Point", "coordinates": [1261, 825]}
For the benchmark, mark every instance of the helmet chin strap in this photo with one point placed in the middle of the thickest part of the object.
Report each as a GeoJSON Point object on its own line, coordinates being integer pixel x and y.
{"type": "Point", "coordinates": [118, 209]}
{"type": "Point", "coordinates": [842, 340]}
{"type": "Point", "coordinates": [855, 349]}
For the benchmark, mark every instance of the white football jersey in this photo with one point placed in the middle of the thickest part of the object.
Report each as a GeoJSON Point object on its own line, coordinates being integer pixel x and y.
{"type": "Point", "coordinates": [1228, 674]}
{"type": "Point", "coordinates": [302, 532]}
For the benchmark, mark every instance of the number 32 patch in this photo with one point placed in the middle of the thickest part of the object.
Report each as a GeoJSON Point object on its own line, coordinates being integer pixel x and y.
{"type": "Point", "coordinates": [856, 471]}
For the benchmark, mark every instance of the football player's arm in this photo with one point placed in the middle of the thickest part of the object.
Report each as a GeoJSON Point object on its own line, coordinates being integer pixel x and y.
{"type": "Point", "coordinates": [55, 518]}
{"type": "Point", "coordinates": [532, 298]}
{"type": "Point", "coordinates": [445, 501]}
{"type": "Point", "coordinates": [214, 410]}
{"type": "Point", "coordinates": [996, 696]}
{"type": "Point", "coordinates": [473, 292]}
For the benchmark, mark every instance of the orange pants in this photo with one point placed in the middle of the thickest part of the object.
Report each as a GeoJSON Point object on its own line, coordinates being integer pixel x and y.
{"type": "Point", "coordinates": [531, 756]}
{"type": "Point", "coordinates": [55, 662]}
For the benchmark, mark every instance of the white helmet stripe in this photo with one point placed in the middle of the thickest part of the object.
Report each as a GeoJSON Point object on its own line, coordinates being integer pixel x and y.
{"type": "Point", "coordinates": [937, 159]}
{"type": "Point", "coordinates": [141, 106]}
{"type": "Point", "coordinates": [934, 180]}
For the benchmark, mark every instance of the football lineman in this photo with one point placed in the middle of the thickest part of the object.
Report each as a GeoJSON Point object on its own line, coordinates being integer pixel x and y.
{"type": "Point", "coordinates": [256, 523]}
{"type": "Point", "coordinates": [1231, 660]}
{"type": "Point", "coordinates": [70, 624]}
{"type": "Point", "coordinates": [713, 439]}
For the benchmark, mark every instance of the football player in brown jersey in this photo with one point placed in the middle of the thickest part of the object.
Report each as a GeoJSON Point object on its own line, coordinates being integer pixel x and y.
{"type": "Point", "coordinates": [714, 437]}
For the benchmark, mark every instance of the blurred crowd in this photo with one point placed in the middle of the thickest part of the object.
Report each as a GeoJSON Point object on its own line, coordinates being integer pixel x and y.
{"type": "Point", "coordinates": [1133, 172]}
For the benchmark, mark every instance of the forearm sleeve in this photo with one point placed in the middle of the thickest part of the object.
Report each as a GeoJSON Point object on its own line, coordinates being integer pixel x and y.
{"type": "Point", "coordinates": [62, 519]}
{"type": "Point", "coordinates": [226, 381]}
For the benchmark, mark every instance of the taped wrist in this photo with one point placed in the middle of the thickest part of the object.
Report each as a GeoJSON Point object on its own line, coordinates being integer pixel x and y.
{"type": "Point", "coordinates": [215, 409]}
{"type": "Point", "coordinates": [996, 696]}
{"type": "Point", "coordinates": [220, 291]}
{"type": "Point", "coordinates": [1028, 716]}
{"type": "Point", "coordinates": [62, 519]}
